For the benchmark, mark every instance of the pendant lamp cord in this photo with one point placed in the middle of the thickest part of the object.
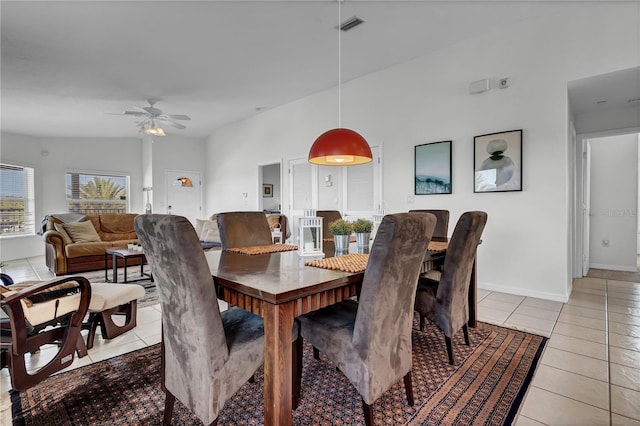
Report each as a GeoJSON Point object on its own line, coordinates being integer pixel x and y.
{"type": "Point", "coordinates": [339, 64]}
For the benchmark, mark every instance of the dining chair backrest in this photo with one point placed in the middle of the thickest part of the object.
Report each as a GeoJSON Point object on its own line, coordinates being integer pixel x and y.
{"type": "Point", "coordinates": [453, 289]}
{"type": "Point", "coordinates": [442, 222]}
{"type": "Point", "coordinates": [328, 216]}
{"type": "Point", "coordinates": [385, 306]}
{"type": "Point", "coordinates": [195, 346]}
{"type": "Point", "coordinates": [243, 229]}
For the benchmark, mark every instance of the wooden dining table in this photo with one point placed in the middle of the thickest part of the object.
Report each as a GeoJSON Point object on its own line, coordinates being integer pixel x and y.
{"type": "Point", "coordinates": [279, 287]}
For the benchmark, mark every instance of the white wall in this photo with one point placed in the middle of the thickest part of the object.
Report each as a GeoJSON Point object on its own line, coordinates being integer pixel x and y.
{"type": "Point", "coordinates": [614, 192]}
{"type": "Point", "coordinates": [526, 240]}
{"type": "Point", "coordinates": [121, 155]}
{"type": "Point", "coordinates": [94, 155]}
{"type": "Point", "coordinates": [602, 121]}
{"type": "Point", "coordinates": [175, 153]}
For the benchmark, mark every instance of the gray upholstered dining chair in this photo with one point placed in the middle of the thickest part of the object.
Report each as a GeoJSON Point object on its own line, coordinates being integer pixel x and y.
{"type": "Point", "coordinates": [446, 302]}
{"type": "Point", "coordinates": [442, 222]}
{"type": "Point", "coordinates": [328, 216]}
{"type": "Point", "coordinates": [370, 340]}
{"type": "Point", "coordinates": [243, 229]}
{"type": "Point", "coordinates": [206, 355]}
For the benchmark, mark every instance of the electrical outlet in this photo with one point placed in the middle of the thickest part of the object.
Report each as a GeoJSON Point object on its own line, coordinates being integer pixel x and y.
{"type": "Point", "coordinates": [605, 242]}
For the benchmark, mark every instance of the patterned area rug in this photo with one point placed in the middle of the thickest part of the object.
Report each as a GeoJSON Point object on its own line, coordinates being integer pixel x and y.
{"type": "Point", "coordinates": [134, 277]}
{"type": "Point", "coordinates": [485, 388]}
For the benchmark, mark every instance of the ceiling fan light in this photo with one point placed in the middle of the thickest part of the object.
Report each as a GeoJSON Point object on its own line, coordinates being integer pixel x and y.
{"type": "Point", "coordinates": [340, 147]}
{"type": "Point", "coordinates": [153, 130]}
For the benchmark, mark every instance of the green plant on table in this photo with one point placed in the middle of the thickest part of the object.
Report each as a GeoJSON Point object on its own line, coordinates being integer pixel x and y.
{"type": "Point", "coordinates": [362, 226]}
{"type": "Point", "coordinates": [340, 227]}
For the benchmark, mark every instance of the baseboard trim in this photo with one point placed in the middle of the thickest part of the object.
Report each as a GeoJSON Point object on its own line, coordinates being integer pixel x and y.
{"type": "Point", "coordinates": [555, 297]}
{"type": "Point", "coordinates": [613, 267]}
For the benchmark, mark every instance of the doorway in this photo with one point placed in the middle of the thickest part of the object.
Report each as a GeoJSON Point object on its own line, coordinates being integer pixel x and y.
{"type": "Point", "coordinates": [610, 198]}
{"type": "Point", "coordinates": [603, 105]}
{"type": "Point", "coordinates": [184, 194]}
{"type": "Point", "coordinates": [270, 188]}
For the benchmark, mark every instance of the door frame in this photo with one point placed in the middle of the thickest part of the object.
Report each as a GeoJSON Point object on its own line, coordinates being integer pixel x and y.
{"type": "Point", "coordinates": [261, 181]}
{"type": "Point", "coordinates": [580, 170]}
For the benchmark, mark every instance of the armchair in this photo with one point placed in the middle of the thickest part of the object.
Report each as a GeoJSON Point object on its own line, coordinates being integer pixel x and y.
{"type": "Point", "coordinates": [31, 325]}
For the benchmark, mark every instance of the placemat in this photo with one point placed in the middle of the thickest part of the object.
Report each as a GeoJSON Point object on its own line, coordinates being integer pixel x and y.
{"type": "Point", "coordinates": [269, 248]}
{"type": "Point", "coordinates": [437, 245]}
{"type": "Point", "coordinates": [330, 239]}
{"type": "Point", "coordinates": [354, 262]}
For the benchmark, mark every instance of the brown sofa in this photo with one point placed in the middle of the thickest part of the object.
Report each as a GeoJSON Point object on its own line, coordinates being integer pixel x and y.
{"type": "Point", "coordinates": [63, 256]}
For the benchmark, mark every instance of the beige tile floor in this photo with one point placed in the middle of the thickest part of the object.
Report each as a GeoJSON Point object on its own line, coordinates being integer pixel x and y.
{"type": "Point", "coordinates": [589, 373]}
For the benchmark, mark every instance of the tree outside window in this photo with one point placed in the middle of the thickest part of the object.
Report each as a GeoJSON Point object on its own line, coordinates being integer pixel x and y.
{"type": "Point", "coordinates": [93, 193]}
{"type": "Point", "coordinates": [17, 211]}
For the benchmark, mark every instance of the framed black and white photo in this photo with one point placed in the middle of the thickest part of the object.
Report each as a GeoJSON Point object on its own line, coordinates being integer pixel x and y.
{"type": "Point", "coordinates": [433, 168]}
{"type": "Point", "coordinates": [267, 190]}
{"type": "Point", "coordinates": [498, 162]}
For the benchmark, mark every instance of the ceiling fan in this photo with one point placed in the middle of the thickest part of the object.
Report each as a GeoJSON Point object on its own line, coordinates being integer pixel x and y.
{"type": "Point", "coordinates": [151, 119]}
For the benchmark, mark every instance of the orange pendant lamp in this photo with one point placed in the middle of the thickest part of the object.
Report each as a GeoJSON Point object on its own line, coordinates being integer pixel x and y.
{"type": "Point", "coordinates": [340, 146]}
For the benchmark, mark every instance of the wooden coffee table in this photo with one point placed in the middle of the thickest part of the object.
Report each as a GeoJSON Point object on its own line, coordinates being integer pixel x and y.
{"type": "Point", "coordinates": [126, 255]}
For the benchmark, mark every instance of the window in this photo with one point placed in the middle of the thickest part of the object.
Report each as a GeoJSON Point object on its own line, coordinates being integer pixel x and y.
{"type": "Point", "coordinates": [17, 212]}
{"type": "Point", "coordinates": [89, 193]}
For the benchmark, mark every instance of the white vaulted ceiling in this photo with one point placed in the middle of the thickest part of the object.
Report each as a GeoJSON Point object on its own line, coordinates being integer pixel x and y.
{"type": "Point", "coordinates": [67, 63]}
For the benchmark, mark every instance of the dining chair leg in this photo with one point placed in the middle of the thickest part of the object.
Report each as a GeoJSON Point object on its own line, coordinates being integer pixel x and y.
{"type": "Point", "coordinates": [447, 340]}
{"type": "Point", "coordinates": [408, 387]}
{"type": "Point", "coordinates": [368, 413]}
{"type": "Point", "coordinates": [316, 353]}
{"type": "Point", "coordinates": [421, 322]}
{"type": "Point", "coordinates": [169, 401]}
{"type": "Point", "coordinates": [465, 330]}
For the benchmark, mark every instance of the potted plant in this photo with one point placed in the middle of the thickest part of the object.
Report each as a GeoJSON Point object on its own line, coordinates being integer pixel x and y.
{"type": "Point", "coordinates": [341, 230]}
{"type": "Point", "coordinates": [362, 228]}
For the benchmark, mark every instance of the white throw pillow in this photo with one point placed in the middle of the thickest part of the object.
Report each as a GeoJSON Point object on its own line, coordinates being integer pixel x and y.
{"type": "Point", "coordinates": [198, 227]}
{"type": "Point", "coordinates": [210, 232]}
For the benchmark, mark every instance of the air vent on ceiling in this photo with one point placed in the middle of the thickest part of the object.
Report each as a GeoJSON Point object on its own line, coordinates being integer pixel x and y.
{"type": "Point", "coordinates": [351, 23]}
{"type": "Point", "coordinates": [634, 100]}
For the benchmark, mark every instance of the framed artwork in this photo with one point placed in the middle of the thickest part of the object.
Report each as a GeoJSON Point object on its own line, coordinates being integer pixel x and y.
{"type": "Point", "coordinates": [267, 190]}
{"type": "Point", "coordinates": [497, 162]}
{"type": "Point", "coordinates": [433, 168]}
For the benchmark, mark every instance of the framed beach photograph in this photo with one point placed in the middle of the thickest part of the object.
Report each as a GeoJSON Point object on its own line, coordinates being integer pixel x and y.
{"type": "Point", "coordinates": [498, 162]}
{"type": "Point", "coordinates": [267, 190]}
{"type": "Point", "coordinates": [433, 168]}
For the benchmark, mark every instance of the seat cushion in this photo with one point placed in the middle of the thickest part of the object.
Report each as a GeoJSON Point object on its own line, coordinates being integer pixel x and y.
{"type": "Point", "coordinates": [330, 329]}
{"type": "Point", "coordinates": [89, 249]}
{"type": "Point", "coordinates": [109, 295]}
{"type": "Point", "coordinates": [40, 313]}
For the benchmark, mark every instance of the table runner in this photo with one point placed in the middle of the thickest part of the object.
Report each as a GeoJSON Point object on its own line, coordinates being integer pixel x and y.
{"type": "Point", "coordinates": [354, 262]}
{"type": "Point", "coordinates": [269, 248]}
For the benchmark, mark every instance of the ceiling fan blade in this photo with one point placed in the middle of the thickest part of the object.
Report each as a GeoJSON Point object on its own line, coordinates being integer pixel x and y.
{"type": "Point", "coordinates": [176, 125]}
{"type": "Point", "coordinates": [135, 113]}
{"type": "Point", "coordinates": [152, 110]}
{"type": "Point", "coordinates": [178, 117]}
